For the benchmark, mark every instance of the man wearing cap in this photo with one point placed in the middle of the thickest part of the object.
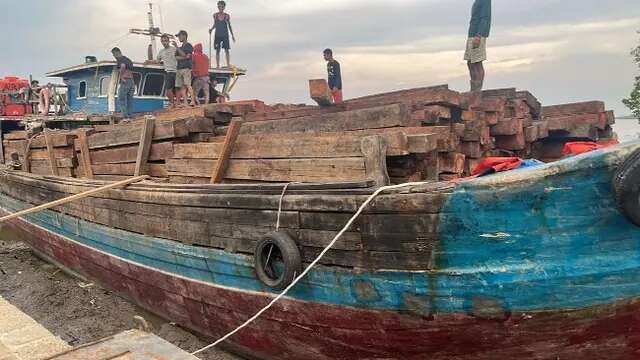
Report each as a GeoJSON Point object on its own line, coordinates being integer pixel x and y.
{"type": "Point", "coordinates": [476, 53]}
{"type": "Point", "coordinates": [183, 75]}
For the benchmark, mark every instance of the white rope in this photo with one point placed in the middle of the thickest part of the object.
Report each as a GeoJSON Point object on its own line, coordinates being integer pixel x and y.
{"type": "Point", "coordinates": [313, 264]}
{"type": "Point", "coordinates": [284, 191]}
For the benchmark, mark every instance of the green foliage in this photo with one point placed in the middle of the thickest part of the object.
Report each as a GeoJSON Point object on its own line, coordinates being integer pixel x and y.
{"type": "Point", "coordinates": [633, 101]}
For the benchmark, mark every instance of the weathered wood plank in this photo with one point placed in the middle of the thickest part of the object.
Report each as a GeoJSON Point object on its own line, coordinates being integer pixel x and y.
{"type": "Point", "coordinates": [222, 163]}
{"type": "Point", "coordinates": [85, 155]}
{"type": "Point", "coordinates": [52, 156]}
{"type": "Point", "coordinates": [144, 147]}
{"type": "Point", "coordinates": [284, 170]}
{"type": "Point", "coordinates": [369, 118]}
{"type": "Point", "coordinates": [374, 150]}
{"type": "Point", "coordinates": [126, 154]}
{"type": "Point", "coordinates": [320, 93]}
{"type": "Point", "coordinates": [130, 134]}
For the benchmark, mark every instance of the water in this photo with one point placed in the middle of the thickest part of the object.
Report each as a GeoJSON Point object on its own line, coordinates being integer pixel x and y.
{"type": "Point", "coordinates": [627, 129]}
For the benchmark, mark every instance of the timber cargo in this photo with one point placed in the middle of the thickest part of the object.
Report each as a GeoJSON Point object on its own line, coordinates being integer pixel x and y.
{"type": "Point", "coordinates": [534, 263]}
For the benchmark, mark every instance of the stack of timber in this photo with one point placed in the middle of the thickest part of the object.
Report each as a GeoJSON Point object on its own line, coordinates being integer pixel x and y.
{"type": "Point", "coordinates": [430, 133]}
{"type": "Point", "coordinates": [583, 121]}
{"type": "Point", "coordinates": [45, 153]}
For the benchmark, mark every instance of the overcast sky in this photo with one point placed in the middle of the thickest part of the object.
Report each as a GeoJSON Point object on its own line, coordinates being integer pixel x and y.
{"type": "Point", "coordinates": [560, 50]}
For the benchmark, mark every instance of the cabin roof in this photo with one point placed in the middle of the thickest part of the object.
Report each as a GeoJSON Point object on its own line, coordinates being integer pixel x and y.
{"type": "Point", "coordinates": [69, 70]}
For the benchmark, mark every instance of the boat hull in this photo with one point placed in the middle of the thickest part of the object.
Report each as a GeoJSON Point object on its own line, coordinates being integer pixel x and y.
{"type": "Point", "coordinates": [305, 330]}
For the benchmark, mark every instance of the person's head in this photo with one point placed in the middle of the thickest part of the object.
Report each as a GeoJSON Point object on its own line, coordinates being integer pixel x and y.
{"type": "Point", "coordinates": [164, 40]}
{"type": "Point", "coordinates": [15, 156]}
{"type": "Point", "coordinates": [182, 36]}
{"type": "Point", "coordinates": [328, 54]}
{"type": "Point", "coordinates": [117, 53]}
{"type": "Point", "coordinates": [35, 83]}
{"type": "Point", "coordinates": [222, 5]}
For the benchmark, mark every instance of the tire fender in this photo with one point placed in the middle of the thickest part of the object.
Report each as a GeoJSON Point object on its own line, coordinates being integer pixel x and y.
{"type": "Point", "coordinates": [277, 260]}
{"type": "Point", "coordinates": [626, 187]}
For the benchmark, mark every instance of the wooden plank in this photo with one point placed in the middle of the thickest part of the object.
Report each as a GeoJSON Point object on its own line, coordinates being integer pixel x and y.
{"type": "Point", "coordinates": [320, 93]}
{"type": "Point", "coordinates": [511, 142]}
{"type": "Point", "coordinates": [156, 170]}
{"type": "Point", "coordinates": [452, 163]}
{"type": "Point", "coordinates": [587, 107]}
{"type": "Point", "coordinates": [179, 113]}
{"type": "Point", "coordinates": [57, 139]}
{"type": "Point", "coordinates": [128, 154]}
{"type": "Point", "coordinates": [16, 135]}
{"type": "Point", "coordinates": [85, 155]}
{"type": "Point", "coordinates": [52, 156]}
{"type": "Point", "coordinates": [225, 153]}
{"type": "Point", "coordinates": [279, 170]}
{"type": "Point", "coordinates": [145, 146]}
{"type": "Point", "coordinates": [471, 149]}
{"type": "Point", "coordinates": [43, 154]}
{"type": "Point", "coordinates": [297, 145]}
{"type": "Point", "coordinates": [374, 150]}
{"type": "Point", "coordinates": [421, 144]}
{"type": "Point", "coordinates": [130, 134]}
{"type": "Point", "coordinates": [435, 95]}
{"type": "Point", "coordinates": [371, 118]}
{"type": "Point", "coordinates": [531, 133]}
{"type": "Point", "coordinates": [534, 105]}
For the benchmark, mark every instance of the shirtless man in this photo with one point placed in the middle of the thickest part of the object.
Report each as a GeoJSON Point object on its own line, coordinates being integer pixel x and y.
{"type": "Point", "coordinates": [222, 26]}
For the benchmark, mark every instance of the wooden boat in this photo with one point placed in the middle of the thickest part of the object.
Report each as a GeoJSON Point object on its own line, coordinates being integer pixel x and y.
{"type": "Point", "coordinates": [537, 263]}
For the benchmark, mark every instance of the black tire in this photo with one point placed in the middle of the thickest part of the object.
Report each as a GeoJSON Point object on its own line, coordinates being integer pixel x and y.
{"type": "Point", "coordinates": [277, 260]}
{"type": "Point", "coordinates": [626, 187]}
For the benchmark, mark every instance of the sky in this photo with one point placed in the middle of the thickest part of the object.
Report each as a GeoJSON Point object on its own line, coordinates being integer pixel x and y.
{"type": "Point", "coordinates": [561, 51]}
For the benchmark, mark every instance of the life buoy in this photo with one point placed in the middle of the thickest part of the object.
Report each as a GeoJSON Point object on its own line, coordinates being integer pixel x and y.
{"type": "Point", "coordinates": [277, 260]}
{"type": "Point", "coordinates": [626, 187]}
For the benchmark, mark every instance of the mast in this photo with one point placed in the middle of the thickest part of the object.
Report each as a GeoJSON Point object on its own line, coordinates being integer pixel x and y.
{"type": "Point", "coordinates": [154, 46]}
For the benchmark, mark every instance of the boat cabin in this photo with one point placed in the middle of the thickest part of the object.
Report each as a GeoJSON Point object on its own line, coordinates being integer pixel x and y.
{"type": "Point", "coordinates": [93, 86]}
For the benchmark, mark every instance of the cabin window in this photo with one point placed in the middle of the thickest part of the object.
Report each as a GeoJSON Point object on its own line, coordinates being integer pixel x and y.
{"type": "Point", "coordinates": [153, 85]}
{"type": "Point", "coordinates": [82, 90]}
{"type": "Point", "coordinates": [137, 79]}
{"type": "Point", "coordinates": [104, 85]}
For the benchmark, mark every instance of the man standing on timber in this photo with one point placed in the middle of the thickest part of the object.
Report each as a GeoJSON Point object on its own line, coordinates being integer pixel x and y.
{"type": "Point", "coordinates": [335, 76]}
{"type": "Point", "coordinates": [479, 29]}
{"type": "Point", "coordinates": [222, 26]}
{"type": "Point", "coordinates": [201, 80]}
{"type": "Point", "coordinates": [184, 73]}
{"type": "Point", "coordinates": [127, 85]}
{"type": "Point", "coordinates": [167, 57]}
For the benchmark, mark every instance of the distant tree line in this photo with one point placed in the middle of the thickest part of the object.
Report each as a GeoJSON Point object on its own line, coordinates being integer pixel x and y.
{"type": "Point", "coordinates": [633, 101]}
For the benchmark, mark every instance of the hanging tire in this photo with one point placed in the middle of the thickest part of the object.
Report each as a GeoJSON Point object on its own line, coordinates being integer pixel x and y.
{"type": "Point", "coordinates": [626, 187]}
{"type": "Point", "coordinates": [277, 260]}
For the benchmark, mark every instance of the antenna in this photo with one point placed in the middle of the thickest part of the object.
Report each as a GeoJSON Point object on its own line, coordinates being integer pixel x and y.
{"type": "Point", "coordinates": [153, 32]}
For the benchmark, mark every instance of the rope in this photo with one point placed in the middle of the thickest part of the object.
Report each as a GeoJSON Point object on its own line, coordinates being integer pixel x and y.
{"type": "Point", "coordinates": [284, 191]}
{"type": "Point", "coordinates": [313, 264]}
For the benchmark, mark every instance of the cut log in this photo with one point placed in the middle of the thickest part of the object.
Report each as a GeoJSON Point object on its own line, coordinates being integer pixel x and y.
{"type": "Point", "coordinates": [374, 150]}
{"type": "Point", "coordinates": [508, 127]}
{"type": "Point", "coordinates": [453, 163]}
{"type": "Point", "coordinates": [320, 92]}
{"type": "Point", "coordinates": [531, 133]}
{"type": "Point", "coordinates": [588, 107]}
{"type": "Point", "coordinates": [512, 142]}
{"type": "Point", "coordinates": [471, 149]}
{"type": "Point", "coordinates": [371, 118]}
{"type": "Point", "coordinates": [127, 154]}
{"type": "Point", "coordinates": [130, 134]}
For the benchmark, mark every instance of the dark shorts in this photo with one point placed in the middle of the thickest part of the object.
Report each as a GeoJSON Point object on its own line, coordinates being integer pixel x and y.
{"type": "Point", "coordinates": [170, 81]}
{"type": "Point", "coordinates": [222, 43]}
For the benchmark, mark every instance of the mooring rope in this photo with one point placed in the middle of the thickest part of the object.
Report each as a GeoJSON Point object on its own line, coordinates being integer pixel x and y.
{"type": "Point", "coordinates": [312, 265]}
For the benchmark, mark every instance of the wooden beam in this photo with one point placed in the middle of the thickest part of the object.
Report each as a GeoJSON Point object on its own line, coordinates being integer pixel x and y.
{"type": "Point", "coordinates": [145, 145]}
{"type": "Point", "coordinates": [374, 150]}
{"type": "Point", "coordinates": [52, 155]}
{"type": "Point", "coordinates": [320, 92]}
{"type": "Point", "coordinates": [1, 143]}
{"type": "Point", "coordinates": [85, 156]}
{"type": "Point", "coordinates": [225, 154]}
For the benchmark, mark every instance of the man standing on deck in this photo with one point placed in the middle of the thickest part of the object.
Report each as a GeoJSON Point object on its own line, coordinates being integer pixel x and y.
{"type": "Point", "coordinates": [167, 57]}
{"type": "Point", "coordinates": [334, 76]}
{"type": "Point", "coordinates": [201, 80]}
{"type": "Point", "coordinates": [222, 26]}
{"type": "Point", "coordinates": [476, 53]}
{"type": "Point", "coordinates": [183, 75]}
{"type": "Point", "coordinates": [127, 85]}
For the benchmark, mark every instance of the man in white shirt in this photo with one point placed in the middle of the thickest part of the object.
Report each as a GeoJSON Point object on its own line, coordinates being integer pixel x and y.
{"type": "Point", "coordinates": [167, 57]}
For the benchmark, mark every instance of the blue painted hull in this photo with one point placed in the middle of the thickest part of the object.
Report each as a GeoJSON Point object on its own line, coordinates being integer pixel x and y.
{"type": "Point", "coordinates": [544, 241]}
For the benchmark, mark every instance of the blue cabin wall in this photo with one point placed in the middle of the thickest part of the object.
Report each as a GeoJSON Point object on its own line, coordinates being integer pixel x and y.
{"type": "Point", "coordinates": [94, 103]}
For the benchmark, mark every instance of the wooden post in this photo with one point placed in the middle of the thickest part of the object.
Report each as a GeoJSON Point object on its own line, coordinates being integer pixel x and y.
{"type": "Point", "coordinates": [320, 92]}
{"type": "Point", "coordinates": [50, 152]}
{"type": "Point", "coordinates": [85, 154]}
{"type": "Point", "coordinates": [225, 154]}
{"type": "Point", "coordinates": [145, 145]}
{"type": "Point", "coordinates": [73, 198]}
{"type": "Point", "coordinates": [374, 150]}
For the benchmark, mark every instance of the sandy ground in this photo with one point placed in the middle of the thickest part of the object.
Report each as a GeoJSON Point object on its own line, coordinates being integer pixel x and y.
{"type": "Point", "coordinates": [79, 313]}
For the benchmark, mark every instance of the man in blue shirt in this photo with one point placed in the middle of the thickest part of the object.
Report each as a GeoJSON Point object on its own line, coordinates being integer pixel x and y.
{"type": "Point", "coordinates": [335, 76]}
{"type": "Point", "coordinates": [476, 53]}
